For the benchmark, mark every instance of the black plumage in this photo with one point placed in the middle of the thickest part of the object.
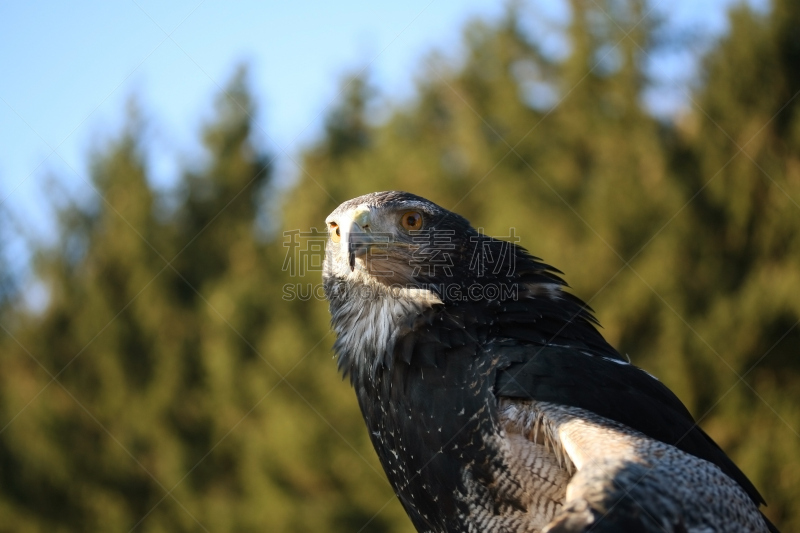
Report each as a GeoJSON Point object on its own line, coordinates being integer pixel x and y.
{"type": "Point", "coordinates": [437, 362]}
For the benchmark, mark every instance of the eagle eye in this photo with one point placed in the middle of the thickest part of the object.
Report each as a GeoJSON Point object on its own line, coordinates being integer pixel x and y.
{"type": "Point", "coordinates": [411, 220]}
{"type": "Point", "coordinates": [336, 235]}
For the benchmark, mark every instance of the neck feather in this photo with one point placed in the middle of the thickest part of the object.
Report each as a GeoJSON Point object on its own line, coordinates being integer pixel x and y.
{"type": "Point", "coordinates": [370, 318]}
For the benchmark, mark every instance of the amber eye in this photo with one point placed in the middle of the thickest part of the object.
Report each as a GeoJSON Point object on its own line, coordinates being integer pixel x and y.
{"type": "Point", "coordinates": [336, 236]}
{"type": "Point", "coordinates": [411, 220]}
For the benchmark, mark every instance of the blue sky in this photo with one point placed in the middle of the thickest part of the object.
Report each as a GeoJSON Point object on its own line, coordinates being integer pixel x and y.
{"type": "Point", "coordinates": [68, 69]}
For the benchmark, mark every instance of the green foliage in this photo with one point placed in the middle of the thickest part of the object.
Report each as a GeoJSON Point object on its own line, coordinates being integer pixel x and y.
{"type": "Point", "coordinates": [172, 384]}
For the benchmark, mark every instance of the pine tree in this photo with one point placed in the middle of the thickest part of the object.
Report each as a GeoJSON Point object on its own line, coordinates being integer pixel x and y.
{"type": "Point", "coordinates": [740, 250]}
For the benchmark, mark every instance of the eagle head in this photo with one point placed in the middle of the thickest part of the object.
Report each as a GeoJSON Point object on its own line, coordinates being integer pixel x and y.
{"type": "Point", "coordinates": [394, 240]}
{"type": "Point", "coordinates": [395, 261]}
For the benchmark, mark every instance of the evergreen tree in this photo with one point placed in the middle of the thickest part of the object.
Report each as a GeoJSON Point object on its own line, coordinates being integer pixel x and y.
{"type": "Point", "coordinates": [740, 250]}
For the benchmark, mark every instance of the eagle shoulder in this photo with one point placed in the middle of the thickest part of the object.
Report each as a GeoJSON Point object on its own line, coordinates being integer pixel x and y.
{"type": "Point", "coordinates": [616, 391]}
{"type": "Point", "coordinates": [627, 481]}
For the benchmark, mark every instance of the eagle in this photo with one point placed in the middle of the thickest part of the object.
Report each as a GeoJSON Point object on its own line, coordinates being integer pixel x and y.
{"type": "Point", "coordinates": [492, 400]}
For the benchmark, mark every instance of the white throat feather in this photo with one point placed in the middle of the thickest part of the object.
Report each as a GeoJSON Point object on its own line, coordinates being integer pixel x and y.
{"type": "Point", "coordinates": [370, 317]}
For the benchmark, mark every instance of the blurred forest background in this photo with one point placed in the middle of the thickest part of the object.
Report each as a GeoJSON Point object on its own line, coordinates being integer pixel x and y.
{"type": "Point", "coordinates": [170, 385]}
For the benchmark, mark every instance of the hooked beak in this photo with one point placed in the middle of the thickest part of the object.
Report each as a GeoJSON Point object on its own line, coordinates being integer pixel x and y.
{"type": "Point", "coordinates": [358, 237]}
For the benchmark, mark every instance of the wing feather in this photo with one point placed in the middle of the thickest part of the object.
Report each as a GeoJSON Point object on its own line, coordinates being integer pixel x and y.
{"type": "Point", "coordinates": [619, 392]}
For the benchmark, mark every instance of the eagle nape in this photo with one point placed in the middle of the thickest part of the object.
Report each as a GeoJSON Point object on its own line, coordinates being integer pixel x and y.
{"type": "Point", "coordinates": [492, 400]}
